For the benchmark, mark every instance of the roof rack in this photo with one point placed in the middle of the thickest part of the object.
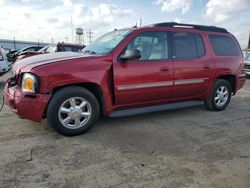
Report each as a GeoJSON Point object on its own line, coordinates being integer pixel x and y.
{"type": "Point", "coordinates": [200, 27]}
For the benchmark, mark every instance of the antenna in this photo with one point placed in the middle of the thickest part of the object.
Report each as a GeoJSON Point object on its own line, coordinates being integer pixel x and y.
{"type": "Point", "coordinates": [135, 26]}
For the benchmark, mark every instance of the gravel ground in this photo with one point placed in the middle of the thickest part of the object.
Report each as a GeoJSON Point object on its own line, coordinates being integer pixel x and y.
{"type": "Point", "coordinates": [182, 148]}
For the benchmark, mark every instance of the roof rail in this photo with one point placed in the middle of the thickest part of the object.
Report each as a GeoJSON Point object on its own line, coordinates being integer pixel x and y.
{"type": "Point", "coordinates": [200, 27]}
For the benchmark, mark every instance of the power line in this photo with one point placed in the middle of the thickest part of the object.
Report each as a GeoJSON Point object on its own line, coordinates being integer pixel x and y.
{"type": "Point", "coordinates": [90, 35]}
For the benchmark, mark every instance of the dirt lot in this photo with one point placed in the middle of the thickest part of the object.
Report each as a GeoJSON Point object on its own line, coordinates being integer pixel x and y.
{"type": "Point", "coordinates": [182, 148]}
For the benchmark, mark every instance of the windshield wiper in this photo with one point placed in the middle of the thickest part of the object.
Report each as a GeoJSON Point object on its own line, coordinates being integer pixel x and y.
{"type": "Point", "coordinates": [89, 52]}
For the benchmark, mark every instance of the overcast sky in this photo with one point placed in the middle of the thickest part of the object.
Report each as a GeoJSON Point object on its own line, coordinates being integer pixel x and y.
{"type": "Point", "coordinates": [47, 19]}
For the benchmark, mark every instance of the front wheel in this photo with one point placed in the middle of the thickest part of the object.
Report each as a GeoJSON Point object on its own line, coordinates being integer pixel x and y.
{"type": "Point", "coordinates": [72, 111]}
{"type": "Point", "coordinates": [220, 96]}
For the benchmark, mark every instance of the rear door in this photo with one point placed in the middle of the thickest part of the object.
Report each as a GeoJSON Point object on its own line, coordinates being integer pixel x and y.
{"type": "Point", "coordinates": [147, 79]}
{"type": "Point", "coordinates": [193, 65]}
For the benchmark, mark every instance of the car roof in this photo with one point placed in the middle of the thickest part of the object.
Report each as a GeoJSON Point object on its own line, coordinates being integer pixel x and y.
{"type": "Point", "coordinates": [194, 26]}
{"type": "Point", "coordinates": [183, 26]}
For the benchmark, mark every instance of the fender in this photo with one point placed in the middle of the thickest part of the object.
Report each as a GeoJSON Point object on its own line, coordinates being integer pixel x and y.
{"type": "Point", "coordinates": [77, 72]}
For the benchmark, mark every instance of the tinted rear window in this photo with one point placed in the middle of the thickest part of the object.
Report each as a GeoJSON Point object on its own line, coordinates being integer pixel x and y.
{"type": "Point", "coordinates": [185, 45]}
{"type": "Point", "coordinates": [223, 45]}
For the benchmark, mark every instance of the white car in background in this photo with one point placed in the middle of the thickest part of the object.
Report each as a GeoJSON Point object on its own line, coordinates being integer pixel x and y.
{"type": "Point", "coordinates": [247, 64]}
{"type": "Point", "coordinates": [4, 64]}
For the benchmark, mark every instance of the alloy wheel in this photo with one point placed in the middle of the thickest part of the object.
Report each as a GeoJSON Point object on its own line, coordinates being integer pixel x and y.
{"type": "Point", "coordinates": [74, 113]}
{"type": "Point", "coordinates": [221, 96]}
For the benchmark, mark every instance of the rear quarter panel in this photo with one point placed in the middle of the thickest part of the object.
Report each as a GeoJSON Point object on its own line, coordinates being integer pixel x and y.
{"type": "Point", "coordinates": [227, 65]}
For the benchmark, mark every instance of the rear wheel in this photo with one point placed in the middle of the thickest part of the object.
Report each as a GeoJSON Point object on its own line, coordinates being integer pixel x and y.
{"type": "Point", "coordinates": [220, 96]}
{"type": "Point", "coordinates": [72, 111]}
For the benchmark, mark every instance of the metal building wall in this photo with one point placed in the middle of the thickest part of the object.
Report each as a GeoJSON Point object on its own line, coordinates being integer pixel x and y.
{"type": "Point", "coordinates": [16, 44]}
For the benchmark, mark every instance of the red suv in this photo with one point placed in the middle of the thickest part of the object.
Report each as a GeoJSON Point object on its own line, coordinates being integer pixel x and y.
{"type": "Point", "coordinates": [128, 71]}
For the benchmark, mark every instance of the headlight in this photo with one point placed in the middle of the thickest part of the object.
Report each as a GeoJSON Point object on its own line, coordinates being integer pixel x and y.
{"type": "Point", "coordinates": [29, 83]}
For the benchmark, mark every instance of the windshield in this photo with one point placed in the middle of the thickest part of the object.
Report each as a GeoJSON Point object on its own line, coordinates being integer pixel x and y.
{"type": "Point", "coordinates": [107, 42]}
{"type": "Point", "coordinates": [247, 58]}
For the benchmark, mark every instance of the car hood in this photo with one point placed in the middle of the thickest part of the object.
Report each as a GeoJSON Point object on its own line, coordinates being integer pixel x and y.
{"type": "Point", "coordinates": [29, 63]}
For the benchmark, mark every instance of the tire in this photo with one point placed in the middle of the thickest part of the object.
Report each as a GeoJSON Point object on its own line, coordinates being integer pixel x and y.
{"type": "Point", "coordinates": [72, 111]}
{"type": "Point", "coordinates": [218, 99]}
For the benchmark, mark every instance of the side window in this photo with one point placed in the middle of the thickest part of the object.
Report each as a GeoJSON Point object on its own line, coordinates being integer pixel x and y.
{"type": "Point", "coordinates": [153, 45]}
{"type": "Point", "coordinates": [223, 45]}
{"type": "Point", "coordinates": [37, 48]}
{"type": "Point", "coordinates": [200, 45]}
{"type": "Point", "coordinates": [185, 45]}
{"type": "Point", "coordinates": [32, 49]}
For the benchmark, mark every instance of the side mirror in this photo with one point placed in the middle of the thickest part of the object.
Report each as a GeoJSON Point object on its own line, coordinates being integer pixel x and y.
{"type": "Point", "coordinates": [131, 55]}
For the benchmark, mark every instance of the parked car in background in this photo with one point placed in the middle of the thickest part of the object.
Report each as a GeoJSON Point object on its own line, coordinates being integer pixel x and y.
{"type": "Point", "coordinates": [4, 64]}
{"type": "Point", "coordinates": [12, 55]}
{"type": "Point", "coordinates": [247, 64]}
{"type": "Point", "coordinates": [60, 47]}
{"type": "Point", "coordinates": [127, 72]}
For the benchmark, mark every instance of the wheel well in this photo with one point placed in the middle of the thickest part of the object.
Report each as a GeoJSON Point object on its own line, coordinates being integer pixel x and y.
{"type": "Point", "coordinates": [93, 88]}
{"type": "Point", "coordinates": [231, 79]}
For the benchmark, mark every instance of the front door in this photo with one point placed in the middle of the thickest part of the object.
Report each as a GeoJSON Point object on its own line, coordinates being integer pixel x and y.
{"type": "Point", "coordinates": [149, 78]}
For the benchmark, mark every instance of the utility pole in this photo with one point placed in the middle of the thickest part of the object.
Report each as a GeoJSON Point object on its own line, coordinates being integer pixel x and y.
{"type": "Point", "coordinates": [83, 38]}
{"type": "Point", "coordinates": [248, 42]}
{"type": "Point", "coordinates": [66, 39]}
{"type": "Point", "coordinates": [90, 35]}
{"type": "Point", "coordinates": [140, 22]}
{"type": "Point", "coordinates": [52, 41]}
{"type": "Point", "coordinates": [72, 32]}
{"type": "Point", "coordinates": [14, 42]}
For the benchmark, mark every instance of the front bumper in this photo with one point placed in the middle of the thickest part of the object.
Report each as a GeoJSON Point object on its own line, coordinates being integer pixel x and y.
{"type": "Point", "coordinates": [30, 107]}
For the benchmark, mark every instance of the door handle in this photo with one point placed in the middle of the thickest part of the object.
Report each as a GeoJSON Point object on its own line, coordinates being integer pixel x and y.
{"type": "Point", "coordinates": [165, 69]}
{"type": "Point", "coordinates": [206, 67]}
